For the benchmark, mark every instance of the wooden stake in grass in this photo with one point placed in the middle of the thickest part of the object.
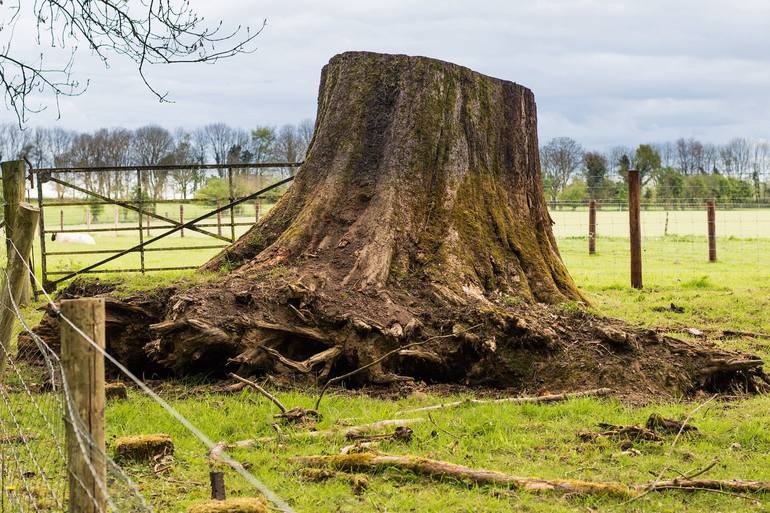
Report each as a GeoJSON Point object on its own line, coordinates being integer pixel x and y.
{"type": "Point", "coordinates": [592, 227]}
{"type": "Point", "coordinates": [712, 232]}
{"type": "Point", "coordinates": [83, 367]}
{"type": "Point", "coordinates": [635, 229]}
{"type": "Point", "coordinates": [16, 274]}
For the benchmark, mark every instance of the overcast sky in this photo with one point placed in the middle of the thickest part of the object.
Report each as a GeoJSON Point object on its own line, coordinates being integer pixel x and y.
{"type": "Point", "coordinates": [603, 72]}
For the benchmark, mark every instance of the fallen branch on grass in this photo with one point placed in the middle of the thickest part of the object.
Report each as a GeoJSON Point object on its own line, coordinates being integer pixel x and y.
{"type": "Point", "coordinates": [368, 462]}
{"type": "Point", "coordinates": [550, 398]}
{"type": "Point", "coordinates": [298, 414]}
{"type": "Point", "coordinates": [349, 432]}
{"type": "Point", "coordinates": [747, 334]}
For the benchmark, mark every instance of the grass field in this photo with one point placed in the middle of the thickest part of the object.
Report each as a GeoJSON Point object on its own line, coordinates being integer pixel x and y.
{"type": "Point", "coordinates": [527, 440]}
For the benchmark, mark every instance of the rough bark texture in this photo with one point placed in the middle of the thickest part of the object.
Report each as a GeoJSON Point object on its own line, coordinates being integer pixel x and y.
{"type": "Point", "coordinates": [418, 213]}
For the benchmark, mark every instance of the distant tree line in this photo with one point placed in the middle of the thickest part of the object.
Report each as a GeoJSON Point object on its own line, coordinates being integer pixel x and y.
{"type": "Point", "coordinates": [682, 172]}
{"type": "Point", "coordinates": [216, 143]}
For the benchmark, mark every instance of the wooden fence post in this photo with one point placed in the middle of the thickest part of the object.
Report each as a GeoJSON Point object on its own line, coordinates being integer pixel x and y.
{"type": "Point", "coordinates": [83, 367]}
{"type": "Point", "coordinates": [181, 219]}
{"type": "Point", "coordinates": [592, 227]}
{"type": "Point", "coordinates": [16, 275]}
{"type": "Point", "coordinates": [13, 194]}
{"type": "Point", "coordinates": [711, 215]}
{"type": "Point", "coordinates": [256, 210]}
{"type": "Point", "coordinates": [635, 230]}
{"type": "Point", "coordinates": [61, 219]}
{"type": "Point", "coordinates": [217, 480]}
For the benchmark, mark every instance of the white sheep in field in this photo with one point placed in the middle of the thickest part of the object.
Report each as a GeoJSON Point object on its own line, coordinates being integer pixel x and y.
{"type": "Point", "coordinates": [74, 238]}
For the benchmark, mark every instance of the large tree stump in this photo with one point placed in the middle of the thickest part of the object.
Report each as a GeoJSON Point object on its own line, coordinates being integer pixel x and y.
{"type": "Point", "coordinates": [418, 214]}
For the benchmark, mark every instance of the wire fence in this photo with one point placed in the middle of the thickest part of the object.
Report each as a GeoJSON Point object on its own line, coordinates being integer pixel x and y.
{"type": "Point", "coordinates": [37, 410]}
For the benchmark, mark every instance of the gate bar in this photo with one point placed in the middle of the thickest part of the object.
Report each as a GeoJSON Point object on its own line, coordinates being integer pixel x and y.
{"type": "Point", "coordinates": [188, 224]}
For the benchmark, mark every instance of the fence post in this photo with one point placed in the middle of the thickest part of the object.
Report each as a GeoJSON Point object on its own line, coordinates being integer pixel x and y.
{"type": "Point", "coordinates": [181, 219]}
{"type": "Point", "coordinates": [635, 231]}
{"type": "Point", "coordinates": [592, 227]}
{"type": "Point", "coordinates": [61, 219]}
{"type": "Point", "coordinates": [712, 231]}
{"type": "Point", "coordinates": [217, 480]}
{"type": "Point", "coordinates": [83, 367]}
{"type": "Point", "coordinates": [13, 194]}
{"type": "Point", "coordinates": [88, 219]}
{"type": "Point", "coordinates": [16, 274]}
{"type": "Point", "coordinates": [256, 210]}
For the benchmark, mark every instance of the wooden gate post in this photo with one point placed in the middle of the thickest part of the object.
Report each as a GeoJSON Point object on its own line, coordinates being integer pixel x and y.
{"type": "Point", "coordinates": [16, 275]}
{"type": "Point", "coordinates": [711, 215]}
{"type": "Point", "coordinates": [635, 230]}
{"type": "Point", "coordinates": [13, 194]}
{"type": "Point", "coordinates": [83, 367]}
{"type": "Point", "coordinates": [592, 227]}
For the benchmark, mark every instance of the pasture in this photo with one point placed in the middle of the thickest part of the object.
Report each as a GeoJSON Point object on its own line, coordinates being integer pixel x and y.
{"type": "Point", "coordinates": [526, 440]}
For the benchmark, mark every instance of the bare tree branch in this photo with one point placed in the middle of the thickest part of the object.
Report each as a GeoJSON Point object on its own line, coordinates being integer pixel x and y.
{"type": "Point", "coordinates": [147, 32]}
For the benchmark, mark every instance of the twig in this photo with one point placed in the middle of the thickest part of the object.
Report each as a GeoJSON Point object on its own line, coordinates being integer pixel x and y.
{"type": "Point", "coordinates": [651, 486]}
{"type": "Point", "coordinates": [261, 391]}
{"type": "Point", "coordinates": [551, 398]}
{"type": "Point", "coordinates": [703, 470]}
{"type": "Point", "coordinates": [347, 432]}
{"type": "Point", "coordinates": [430, 417]}
{"type": "Point", "coordinates": [383, 357]}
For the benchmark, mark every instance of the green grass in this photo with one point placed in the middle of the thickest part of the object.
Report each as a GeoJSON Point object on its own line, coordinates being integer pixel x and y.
{"type": "Point", "coordinates": [527, 440]}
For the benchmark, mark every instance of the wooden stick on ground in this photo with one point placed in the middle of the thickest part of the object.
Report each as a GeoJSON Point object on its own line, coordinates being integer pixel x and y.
{"type": "Point", "coordinates": [261, 391]}
{"type": "Point", "coordinates": [347, 432]}
{"type": "Point", "coordinates": [551, 398]}
{"type": "Point", "coordinates": [441, 469]}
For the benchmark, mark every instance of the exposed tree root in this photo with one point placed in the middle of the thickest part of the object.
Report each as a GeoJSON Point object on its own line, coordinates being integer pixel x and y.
{"type": "Point", "coordinates": [368, 462]}
{"type": "Point", "coordinates": [550, 398]}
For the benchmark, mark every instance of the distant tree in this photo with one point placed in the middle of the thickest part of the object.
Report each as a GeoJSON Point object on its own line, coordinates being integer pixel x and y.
{"type": "Point", "coordinates": [595, 170]}
{"type": "Point", "coordinates": [560, 159]}
{"type": "Point", "coordinates": [647, 162]}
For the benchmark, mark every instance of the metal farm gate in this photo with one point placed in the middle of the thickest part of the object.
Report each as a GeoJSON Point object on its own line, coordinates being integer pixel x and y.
{"type": "Point", "coordinates": [202, 224]}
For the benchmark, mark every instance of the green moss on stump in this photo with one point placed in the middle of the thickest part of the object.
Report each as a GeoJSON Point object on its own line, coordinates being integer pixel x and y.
{"type": "Point", "coordinates": [141, 448]}
{"type": "Point", "coordinates": [240, 505]}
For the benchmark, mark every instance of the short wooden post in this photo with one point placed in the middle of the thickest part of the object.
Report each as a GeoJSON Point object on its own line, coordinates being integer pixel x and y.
{"type": "Point", "coordinates": [219, 218]}
{"type": "Point", "coordinates": [256, 210]}
{"type": "Point", "coordinates": [217, 480]}
{"type": "Point", "coordinates": [13, 195]}
{"type": "Point", "coordinates": [711, 215]}
{"type": "Point", "coordinates": [635, 230]}
{"type": "Point", "coordinates": [83, 367]}
{"type": "Point", "coordinates": [15, 277]}
{"type": "Point", "coordinates": [592, 227]}
{"type": "Point", "coordinates": [181, 219]}
{"type": "Point", "coordinates": [149, 220]}
{"type": "Point", "coordinates": [61, 219]}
